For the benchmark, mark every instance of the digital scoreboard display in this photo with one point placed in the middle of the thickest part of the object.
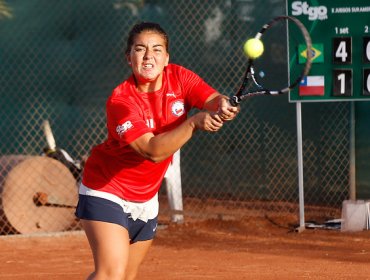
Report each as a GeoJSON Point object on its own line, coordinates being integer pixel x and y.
{"type": "Point", "coordinates": [340, 33]}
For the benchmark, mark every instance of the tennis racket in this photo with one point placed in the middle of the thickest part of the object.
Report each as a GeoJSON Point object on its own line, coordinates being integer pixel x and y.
{"type": "Point", "coordinates": [265, 75]}
{"type": "Point", "coordinates": [61, 155]}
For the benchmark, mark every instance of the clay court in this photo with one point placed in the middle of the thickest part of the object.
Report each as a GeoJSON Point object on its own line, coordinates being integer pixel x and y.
{"type": "Point", "coordinates": [212, 249]}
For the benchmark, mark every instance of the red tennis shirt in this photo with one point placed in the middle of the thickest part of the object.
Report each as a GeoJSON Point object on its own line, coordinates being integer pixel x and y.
{"type": "Point", "coordinates": [113, 166]}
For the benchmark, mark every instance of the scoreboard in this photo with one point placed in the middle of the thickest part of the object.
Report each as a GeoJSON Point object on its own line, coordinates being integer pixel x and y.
{"type": "Point", "coordinates": [340, 32]}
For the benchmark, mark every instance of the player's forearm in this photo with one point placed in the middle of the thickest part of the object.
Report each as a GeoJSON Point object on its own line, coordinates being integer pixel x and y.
{"type": "Point", "coordinates": [159, 147]}
{"type": "Point", "coordinates": [212, 104]}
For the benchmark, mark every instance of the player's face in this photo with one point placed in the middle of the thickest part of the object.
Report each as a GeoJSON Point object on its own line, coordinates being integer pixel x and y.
{"type": "Point", "coordinates": [148, 57]}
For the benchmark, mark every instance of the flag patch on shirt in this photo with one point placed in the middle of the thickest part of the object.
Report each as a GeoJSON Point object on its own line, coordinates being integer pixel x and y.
{"type": "Point", "coordinates": [312, 85]}
{"type": "Point", "coordinates": [178, 108]}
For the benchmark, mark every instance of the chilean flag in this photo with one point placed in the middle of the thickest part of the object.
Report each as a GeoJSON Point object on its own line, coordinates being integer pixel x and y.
{"type": "Point", "coordinates": [312, 85]}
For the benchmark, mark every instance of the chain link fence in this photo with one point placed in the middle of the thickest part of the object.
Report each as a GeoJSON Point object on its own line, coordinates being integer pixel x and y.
{"type": "Point", "coordinates": [60, 60]}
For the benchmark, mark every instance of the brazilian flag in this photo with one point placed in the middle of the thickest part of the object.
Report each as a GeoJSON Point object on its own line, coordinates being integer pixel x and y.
{"type": "Point", "coordinates": [317, 53]}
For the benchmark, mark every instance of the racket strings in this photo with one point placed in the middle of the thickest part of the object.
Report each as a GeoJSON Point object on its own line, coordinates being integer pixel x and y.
{"type": "Point", "coordinates": [247, 85]}
{"type": "Point", "coordinates": [273, 80]}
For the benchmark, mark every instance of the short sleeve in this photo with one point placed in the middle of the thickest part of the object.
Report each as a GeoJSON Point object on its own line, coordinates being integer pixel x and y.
{"type": "Point", "coordinates": [124, 121]}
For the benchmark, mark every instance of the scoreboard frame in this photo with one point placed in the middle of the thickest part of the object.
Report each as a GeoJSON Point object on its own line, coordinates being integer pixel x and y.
{"type": "Point", "coordinates": [340, 32]}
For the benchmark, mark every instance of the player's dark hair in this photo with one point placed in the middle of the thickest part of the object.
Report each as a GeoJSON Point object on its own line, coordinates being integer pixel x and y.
{"type": "Point", "coordinates": [145, 26]}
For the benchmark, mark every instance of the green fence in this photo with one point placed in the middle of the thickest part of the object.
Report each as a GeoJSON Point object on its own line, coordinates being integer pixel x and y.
{"type": "Point", "coordinates": [60, 60]}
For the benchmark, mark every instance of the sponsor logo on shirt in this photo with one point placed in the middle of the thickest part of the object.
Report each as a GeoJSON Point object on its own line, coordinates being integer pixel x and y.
{"type": "Point", "coordinates": [121, 129]}
{"type": "Point", "coordinates": [150, 123]}
{"type": "Point", "coordinates": [171, 94]}
{"type": "Point", "coordinates": [178, 108]}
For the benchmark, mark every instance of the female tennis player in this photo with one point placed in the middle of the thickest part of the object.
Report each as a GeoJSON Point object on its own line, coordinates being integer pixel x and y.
{"type": "Point", "coordinates": [147, 122]}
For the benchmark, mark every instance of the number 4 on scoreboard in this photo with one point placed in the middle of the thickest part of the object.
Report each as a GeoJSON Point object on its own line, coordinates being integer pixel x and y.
{"type": "Point", "coordinates": [342, 50]}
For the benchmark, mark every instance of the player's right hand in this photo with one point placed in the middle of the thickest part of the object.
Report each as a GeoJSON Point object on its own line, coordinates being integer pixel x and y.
{"type": "Point", "coordinates": [226, 111]}
{"type": "Point", "coordinates": [207, 121]}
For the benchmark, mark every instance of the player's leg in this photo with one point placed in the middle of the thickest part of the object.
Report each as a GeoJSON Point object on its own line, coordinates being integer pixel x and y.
{"type": "Point", "coordinates": [141, 236]}
{"type": "Point", "coordinates": [110, 240]}
{"type": "Point", "coordinates": [109, 243]}
{"type": "Point", "coordinates": [106, 228]}
{"type": "Point", "coordinates": [138, 251]}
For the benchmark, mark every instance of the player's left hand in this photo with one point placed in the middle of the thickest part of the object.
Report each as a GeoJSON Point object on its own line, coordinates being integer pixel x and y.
{"type": "Point", "coordinates": [226, 111]}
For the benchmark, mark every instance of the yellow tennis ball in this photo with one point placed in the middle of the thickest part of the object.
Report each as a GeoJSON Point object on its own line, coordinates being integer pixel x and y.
{"type": "Point", "coordinates": [253, 48]}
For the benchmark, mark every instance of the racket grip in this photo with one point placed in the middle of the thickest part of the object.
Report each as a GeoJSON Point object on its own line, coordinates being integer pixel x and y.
{"type": "Point", "coordinates": [234, 101]}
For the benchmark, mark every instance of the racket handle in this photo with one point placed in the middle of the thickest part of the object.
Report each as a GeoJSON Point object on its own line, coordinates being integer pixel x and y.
{"type": "Point", "coordinates": [234, 101]}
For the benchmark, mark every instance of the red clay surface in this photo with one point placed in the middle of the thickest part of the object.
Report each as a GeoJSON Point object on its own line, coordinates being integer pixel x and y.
{"type": "Point", "coordinates": [252, 249]}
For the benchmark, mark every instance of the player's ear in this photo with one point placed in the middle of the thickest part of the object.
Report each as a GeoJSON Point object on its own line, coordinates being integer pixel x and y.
{"type": "Point", "coordinates": [167, 59]}
{"type": "Point", "coordinates": [128, 59]}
